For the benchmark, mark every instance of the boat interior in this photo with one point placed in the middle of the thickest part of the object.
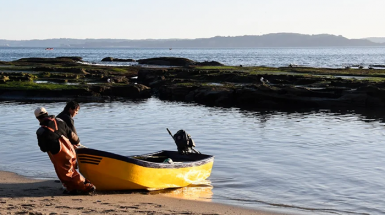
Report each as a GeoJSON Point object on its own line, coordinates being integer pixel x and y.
{"type": "Point", "coordinates": [161, 157]}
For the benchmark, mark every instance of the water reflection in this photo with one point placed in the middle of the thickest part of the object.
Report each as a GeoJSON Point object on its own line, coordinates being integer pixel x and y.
{"type": "Point", "coordinates": [197, 192]}
{"type": "Point", "coordinates": [201, 192]}
{"type": "Point", "coordinates": [363, 114]}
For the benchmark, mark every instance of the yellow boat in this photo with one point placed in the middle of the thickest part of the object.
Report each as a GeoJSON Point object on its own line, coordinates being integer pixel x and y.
{"type": "Point", "coordinates": [159, 170]}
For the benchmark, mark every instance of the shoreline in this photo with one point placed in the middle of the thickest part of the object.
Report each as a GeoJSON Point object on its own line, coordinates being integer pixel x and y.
{"type": "Point", "coordinates": [22, 195]}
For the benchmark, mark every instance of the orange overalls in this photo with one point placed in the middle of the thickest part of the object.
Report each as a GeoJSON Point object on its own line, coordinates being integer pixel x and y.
{"type": "Point", "coordinates": [65, 162]}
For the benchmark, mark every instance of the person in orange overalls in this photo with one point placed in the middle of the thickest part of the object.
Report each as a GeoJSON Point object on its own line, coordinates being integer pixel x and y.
{"type": "Point", "coordinates": [59, 141]}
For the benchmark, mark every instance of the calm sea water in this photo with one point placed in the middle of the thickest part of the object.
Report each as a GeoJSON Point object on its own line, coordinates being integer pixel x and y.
{"type": "Point", "coordinates": [318, 162]}
{"type": "Point", "coordinates": [333, 57]}
{"type": "Point", "coordinates": [313, 161]}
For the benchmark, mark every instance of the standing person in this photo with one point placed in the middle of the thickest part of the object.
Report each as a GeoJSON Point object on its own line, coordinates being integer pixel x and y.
{"type": "Point", "coordinates": [70, 110]}
{"type": "Point", "coordinates": [59, 141]}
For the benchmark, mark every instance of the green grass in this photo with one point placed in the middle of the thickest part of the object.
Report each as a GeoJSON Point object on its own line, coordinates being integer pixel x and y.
{"type": "Point", "coordinates": [119, 70]}
{"type": "Point", "coordinates": [218, 67]}
{"type": "Point", "coordinates": [325, 71]}
{"type": "Point", "coordinates": [15, 68]}
{"type": "Point", "coordinates": [374, 79]}
{"type": "Point", "coordinates": [27, 85]}
{"type": "Point", "coordinates": [271, 72]}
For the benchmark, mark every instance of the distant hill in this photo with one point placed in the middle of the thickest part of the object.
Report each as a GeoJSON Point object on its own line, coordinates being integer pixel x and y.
{"type": "Point", "coordinates": [267, 40]}
{"type": "Point", "coordinates": [376, 39]}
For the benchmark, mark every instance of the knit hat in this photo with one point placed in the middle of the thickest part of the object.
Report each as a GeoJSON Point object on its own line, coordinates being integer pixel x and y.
{"type": "Point", "coordinates": [40, 111]}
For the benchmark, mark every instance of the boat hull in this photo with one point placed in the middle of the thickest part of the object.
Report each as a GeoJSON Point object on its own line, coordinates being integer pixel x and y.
{"type": "Point", "coordinates": [108, 171]}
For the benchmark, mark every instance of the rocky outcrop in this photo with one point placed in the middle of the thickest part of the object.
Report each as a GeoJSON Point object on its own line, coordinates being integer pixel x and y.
{"type": "Point", "coordinates": [209, 63]}
{"type": "Point", "coordinates": [111, 59]}
{"type": "Point", "coordinates": [62, 70]}
{"type": "Point", "coordinates": [269, 97]}
{"type": "Point", "coordinates": [167, 61]}
{"type": "Point", "coordinates": [133, 91]}
{"type": "Point", "coordinates": [49, 95]}
{"type": "Point", "coordinates": [176, 61]}
{"type": "Point", "coordinates": [146, 76]}
{"type": "Point", "coordinates": [117, 79]}
{"type": "Point", "coordinates": [227, 86]}
{"type": "Point", "coordinates": [185, 85]}
{"type": "Point", "coordinates": [78, 59]}
{"type": "Point", "coordinates": [92, 93]}
{"type": "Point", "coordinates": [70, 61]}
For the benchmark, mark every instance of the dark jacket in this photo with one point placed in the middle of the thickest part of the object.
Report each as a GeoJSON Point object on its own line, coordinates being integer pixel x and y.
{"type": "Point", "coordinates": [48, 141]}
{"type": "Point", "coordinates": [66, 117]}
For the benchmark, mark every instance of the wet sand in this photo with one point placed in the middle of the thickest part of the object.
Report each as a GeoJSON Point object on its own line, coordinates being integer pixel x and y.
{"type": "Point", "coordinates": [21, 195]}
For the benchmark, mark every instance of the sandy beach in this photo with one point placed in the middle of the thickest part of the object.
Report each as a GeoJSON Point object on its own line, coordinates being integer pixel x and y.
{"type": "Point", "coordinates": [21, 195]}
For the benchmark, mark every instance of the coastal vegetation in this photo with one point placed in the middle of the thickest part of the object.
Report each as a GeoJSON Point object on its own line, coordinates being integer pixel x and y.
{"type": "Point", "coordinates": [207, 83]}
{"type": "Point", "coordinates": [28, 85]}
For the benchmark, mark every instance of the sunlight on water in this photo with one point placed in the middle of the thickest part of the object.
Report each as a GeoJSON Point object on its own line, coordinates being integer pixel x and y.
{"type": "Point", "coordinates": [324, 161]}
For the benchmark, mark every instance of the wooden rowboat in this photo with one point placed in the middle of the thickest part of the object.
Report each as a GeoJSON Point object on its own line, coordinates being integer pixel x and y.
{"type": "Point", "coordinates": [159, 170]}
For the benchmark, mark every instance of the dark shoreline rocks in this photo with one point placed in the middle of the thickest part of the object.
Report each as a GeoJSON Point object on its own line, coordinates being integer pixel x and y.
{"type": "Point", "coordinates": [54, 61]}
{"type": "Point", "coordinates": [230, 90]}
{"type": "Point", "coordinates": [256, 87]}
{"type": "Point", "coordinates": [176, 61]}
{"type": "Point", "coordinates": [111, 59]}
{"type": "Point", "coordinates": [166, 61]}
{"type": "Point", "coordinates": [87, 94]}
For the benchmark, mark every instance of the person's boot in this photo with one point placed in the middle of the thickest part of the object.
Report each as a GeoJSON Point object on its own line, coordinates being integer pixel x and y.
{"type": "Point", "coordinates": [89, 188]}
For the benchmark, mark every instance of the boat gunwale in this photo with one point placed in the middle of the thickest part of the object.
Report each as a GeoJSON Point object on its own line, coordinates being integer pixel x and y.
{"type": "Point", "coordinates": [144, 163]}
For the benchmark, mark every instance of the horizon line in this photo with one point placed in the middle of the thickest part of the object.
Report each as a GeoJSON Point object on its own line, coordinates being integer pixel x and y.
{"type": "Point", "coordinates": [69, 38]}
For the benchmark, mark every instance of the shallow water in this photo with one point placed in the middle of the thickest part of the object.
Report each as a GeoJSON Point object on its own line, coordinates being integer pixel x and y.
{"type": "Point", "coordinates": [319, 162]}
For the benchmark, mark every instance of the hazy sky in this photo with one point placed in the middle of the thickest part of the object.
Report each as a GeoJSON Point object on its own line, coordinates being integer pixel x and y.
{"type": "Point", "coordinates": [164, 19]}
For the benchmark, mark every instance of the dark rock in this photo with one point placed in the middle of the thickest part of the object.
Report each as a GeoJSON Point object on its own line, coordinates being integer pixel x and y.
{"type": "Point", "coordinates": [119, 79]}
{"type": "Point", "coordinates": [167, 61]}
{"type": "Point", "coordinates": [110, 59]}
{"type": "Point", "coordinates": [358, 100]}
{"type": "Point", "coordinates": [161, 80]}
{"type": "Point", "coordinates": [74, 70]}
{"type": "Point", "coordinates": [46, 95]}
{"type": "Point", "coordinates": [71, 58]}
{"type": "Point", "coordinates": [209, 63]}
{"type": "Point", "coordinates": [62, 70]}
{"type": "Point", "coordinates": [50, 60]}
{"type": "Point", "coordinates": [146, 76]}
{"type": "Point", "coordinates": [66, 61]}
{"type": "Point", "coordinates": [377, 65]}
{"type": "Point", "coordinates": [130, 91]}
{"type": "Point", "coordinates": [99, 89]}
{"type": "Point", "coordinates": [175, 92]}
{"type": "Point", "coordinates": [214, 96]}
